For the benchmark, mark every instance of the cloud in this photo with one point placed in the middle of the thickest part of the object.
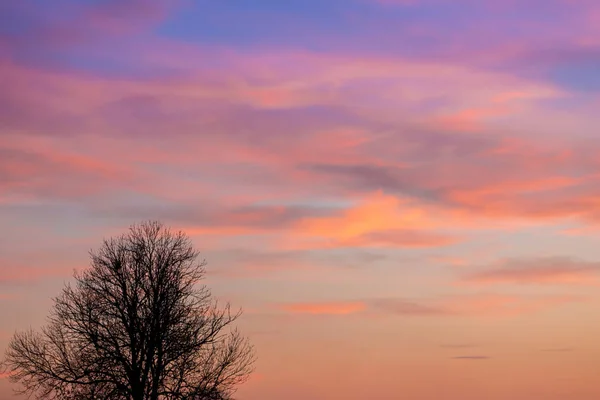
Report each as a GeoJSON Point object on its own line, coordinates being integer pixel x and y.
{"type": "Point", "coordinates": [487, 182]}
{"type": "Point", "coordinates": [12, 275]}
{"type": "Point", "coordinates": [541, 271]}
{"type": "Point", "coordinates": [213, 217]}
{"type": "Point", "coordinates": [407, 307]}
{"type": "Point", "coordinates": [53, 173]}
{"type": "Point", "coordinates": [402, 238]}
{"type": "Point", "coordinates": [559, 350]}
{"type": "Point", "coordinates": [472, 305]}
{"type": "Point", "coordinates": [471, 358]}
{"type": "Point", "coordinates": [329, 308]}
{"type": "Point", "coordinates": [230, 262]}
{"type": "Point", "coordinates": [39, 31]}
{"type": "Point", "coordinates": [243, 263]}
{"type": "Point", "coordinates": [505, 305]}
{"type": "Point", "coordinates": [479, 305]}
{"type": "Point", "coordinates": [377, 221]}
{"type": "Point", "coordinates": [5, 375]}
{"type": "Point", "coordinates": [6, 296]}
{"type": "Point", "coordinates": [360, 152]}
{"type": "Point", "coordinates": [368, 178]}
{"type": "Point", "coordinates": [265, 150]}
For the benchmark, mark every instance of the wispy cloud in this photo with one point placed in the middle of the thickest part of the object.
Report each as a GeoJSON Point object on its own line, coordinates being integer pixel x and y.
{"type": "Point", "coordinates": [482, 305]}
{"type": "Point", "coordinates": [550, 270]}
{"type": "Point", "coordinates": [471, 358]}
{"type": "Point", "coordinates": [457, 346]}
{"type": "Point", "coordinates": [16, 275]}
{"type": "Point", "coordinates": [559, 350]}
{"type": "Point", "coordinates": [330, 308]}
{"type": "Point", "coordinates": [407, 307]}
{"type": "Point", "coordinates": [489, 305]}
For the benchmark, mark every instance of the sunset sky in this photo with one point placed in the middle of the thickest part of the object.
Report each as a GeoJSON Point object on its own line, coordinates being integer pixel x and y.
{"type": "Point", "coordinates": [403, 195]}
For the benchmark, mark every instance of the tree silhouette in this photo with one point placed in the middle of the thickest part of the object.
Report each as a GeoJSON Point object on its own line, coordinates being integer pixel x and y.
{"type": "Point", "coordinates": [137, 326]}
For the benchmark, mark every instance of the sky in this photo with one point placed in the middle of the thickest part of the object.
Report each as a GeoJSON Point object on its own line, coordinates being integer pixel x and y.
{"type": "Point", "coordinates": [402, 195]}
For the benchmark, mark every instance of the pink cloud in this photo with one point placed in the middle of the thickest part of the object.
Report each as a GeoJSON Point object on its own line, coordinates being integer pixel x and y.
{"type": "Point", "coordinates": [543, 271]}
{"type": "Point", "coordinates": [475, 305]}
{"type": "Point", "coordinates": [89, 129]}
{"type": "Point", "coordinates": [505, 305]}
{"type": "Point", "coordinates": [44, 170]}
{"type": "Point", "coordinates": [12, 275]}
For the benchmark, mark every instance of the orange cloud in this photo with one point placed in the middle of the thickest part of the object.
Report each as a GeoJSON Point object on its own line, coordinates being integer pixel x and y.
{"type": "Point", "coordinates": [5, 375]}
{"type": "Point", "coordinates": [331, 308]}
{"type": "Point", "coordinates": [379, 220]}
{"type": "Point", "coordinates": [375, 213]}
{"type": "Point", "coordinates": [452, 261]}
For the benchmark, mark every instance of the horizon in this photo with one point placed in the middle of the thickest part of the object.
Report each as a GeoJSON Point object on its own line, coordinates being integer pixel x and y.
{"type": "Point", "coordinates": [402, 195]}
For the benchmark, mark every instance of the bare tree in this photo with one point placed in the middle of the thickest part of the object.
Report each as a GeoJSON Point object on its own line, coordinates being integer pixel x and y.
{"type": "Point", "coordinates": [137, 326]}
